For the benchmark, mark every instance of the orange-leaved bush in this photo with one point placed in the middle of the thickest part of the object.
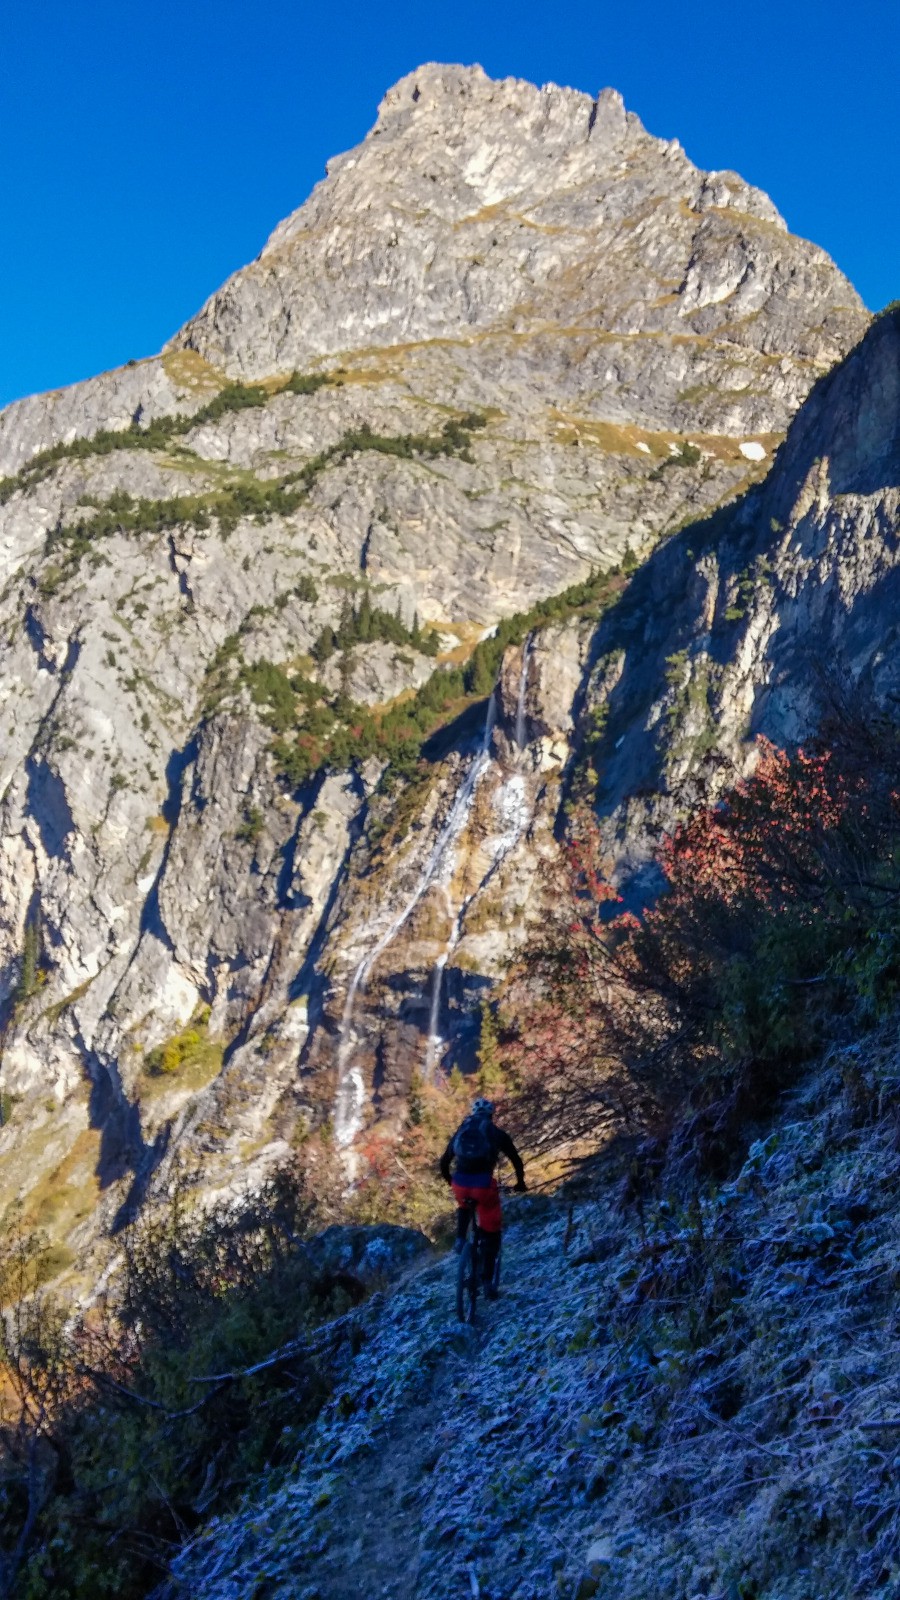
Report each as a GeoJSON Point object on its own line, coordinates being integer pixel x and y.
{"type": "Point", "coordinates": [776, 913]}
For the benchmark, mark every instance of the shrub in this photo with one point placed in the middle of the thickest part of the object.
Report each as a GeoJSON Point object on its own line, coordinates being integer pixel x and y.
{"type": "Point", "coordinates": [270, 687]}
{"type": "Point", "coordinates": [776, 916]}
{"type": "Point", "coordinates": [113, 1447]}
{"type": "Point", "coordinates": [234, 397]}
{"type": "Point", "coordinates": [306, 382]}
{"type": "Point", "coordinates": [252, 825]}
{"type": "Point", "coordinates": [192, 1048]}
{"type": "Point", "coordinates": [687, 455]}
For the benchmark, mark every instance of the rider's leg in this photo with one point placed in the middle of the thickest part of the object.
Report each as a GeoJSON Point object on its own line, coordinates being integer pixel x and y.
{"type": "Point", "coordinates": [490, 1221]}
{"type": "Point", "coordinates": [491, 1250]}
{"type": "Point", "coordinates": [464, 1211]}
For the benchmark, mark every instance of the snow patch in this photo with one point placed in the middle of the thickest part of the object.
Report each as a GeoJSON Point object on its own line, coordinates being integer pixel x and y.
{"type": "Point", "coordinates": [752, 450]}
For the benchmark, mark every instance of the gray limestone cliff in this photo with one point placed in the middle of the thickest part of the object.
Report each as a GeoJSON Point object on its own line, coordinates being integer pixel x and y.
{"type": "Point", "coordinates": [751, 621]}
{"type": "Point", "coordinates": [512, 342]}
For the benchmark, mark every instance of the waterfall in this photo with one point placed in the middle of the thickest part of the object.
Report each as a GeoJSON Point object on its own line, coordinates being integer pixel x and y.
{"type": "Point", "coordinates": [521, 731]}
{"type": "Point", "coordinates": [437, 986]}
{"type": "Point", "coordinates": [351, 1094]}
{"type": "Point", "coordinates": [434, 1038]}
{"type": "Point", "coordinates": [489, 721]}
{"type": "Point", "coordinates": [514, 814]}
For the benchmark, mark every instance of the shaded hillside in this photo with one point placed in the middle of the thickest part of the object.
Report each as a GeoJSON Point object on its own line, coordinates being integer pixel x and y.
{"type": "Point", "coordinates": [689, 1377]}
{"type": "Point", "coordinates": [745, 622]}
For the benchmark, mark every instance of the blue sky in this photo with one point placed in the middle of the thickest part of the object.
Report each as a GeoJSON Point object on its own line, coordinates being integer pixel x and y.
{"type": "Point", "coordinates": [149, 150]}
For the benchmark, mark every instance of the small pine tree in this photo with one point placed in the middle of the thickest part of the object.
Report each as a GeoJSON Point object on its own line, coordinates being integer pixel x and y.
{"type": "Point", "coordinates": [364, 619]}
{"type": "Point", "coordinates": [481, 673]}
{"type": "Point", "coordinates": [346, 631]}
{"type": "Point", "coordinates": [325, 645]}
{"type": "Point", "coordinates": [414, 1100]}
{"type": "Point", "coordinates": [31, 955]}
{"type": "Point", "coordinates": [456, 1083]}
{"type": "Point", "coordinates": [490, 1067]}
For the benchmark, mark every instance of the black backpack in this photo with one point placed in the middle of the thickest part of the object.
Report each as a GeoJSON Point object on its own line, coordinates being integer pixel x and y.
{"type": "Point", "coordinates": [472, 1142]}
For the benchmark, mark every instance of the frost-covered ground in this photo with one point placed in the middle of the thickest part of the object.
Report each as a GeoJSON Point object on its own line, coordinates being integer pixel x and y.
{"type": "Point", "coordinates": [705, 1409]}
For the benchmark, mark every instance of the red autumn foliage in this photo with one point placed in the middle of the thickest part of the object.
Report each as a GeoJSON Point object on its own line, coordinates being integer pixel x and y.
{"type": "Point", "coordinates": [764, 899]}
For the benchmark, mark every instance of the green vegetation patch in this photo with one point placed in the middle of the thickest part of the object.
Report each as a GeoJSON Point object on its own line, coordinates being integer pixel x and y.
{"type": "Point", "coordinates": [190, 1052]}
{"type": "Point", "coordinates": [364, 623]}
{"type": "Point", "coordinates": [687, 455]}
{"type": "Point", "coordinates": [245, 499]}
{"type": "Point", "coordinates": [59, 1007]}
{"type": "Point", "coordinates": [338, 733]}
{"type": "Point", "coordinates": [155, 435]}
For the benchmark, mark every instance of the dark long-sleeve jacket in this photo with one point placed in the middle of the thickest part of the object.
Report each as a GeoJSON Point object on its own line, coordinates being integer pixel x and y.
{"type": "Point", "coordinates": [502, 1145]}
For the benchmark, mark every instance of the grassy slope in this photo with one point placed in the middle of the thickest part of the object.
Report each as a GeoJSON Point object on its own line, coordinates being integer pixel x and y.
{"type": "Point", "coordinates": [697, 1413]}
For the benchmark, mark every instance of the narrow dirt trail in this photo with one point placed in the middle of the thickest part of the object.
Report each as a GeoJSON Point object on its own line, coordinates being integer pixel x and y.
{"type": "Point", "coordinates": [448, 1457]}
{"type": "Point", "coordinates": [651, 1412]}
{"type": "Point", "coordinates": [379, 1515]}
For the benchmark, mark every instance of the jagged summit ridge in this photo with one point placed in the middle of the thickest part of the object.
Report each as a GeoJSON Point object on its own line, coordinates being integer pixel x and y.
{"type": "Point", "coordinates": [553, 119]}
{"type": "Point", "coordinates": [475, 206]}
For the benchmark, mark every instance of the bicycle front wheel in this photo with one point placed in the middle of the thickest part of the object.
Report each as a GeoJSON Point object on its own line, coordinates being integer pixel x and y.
{"type": "Point", "coordinates": [467, 1282]}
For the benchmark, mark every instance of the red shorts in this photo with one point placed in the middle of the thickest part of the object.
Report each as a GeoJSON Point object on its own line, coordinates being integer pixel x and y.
{"type": "Point", "coordinates": [488, 1215]}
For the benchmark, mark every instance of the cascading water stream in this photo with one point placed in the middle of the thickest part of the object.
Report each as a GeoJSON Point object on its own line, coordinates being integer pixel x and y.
{"type": "Point", "coordinates": [351, 1091]}
{"type": "Point", "coordinates": [506, 844]}
{"type": "Point", "coordinates": [521, 729]}
{"type": "Point", "coordinates": [515, 813]}
{"type": "Point", "coordinates": [434, 1038]}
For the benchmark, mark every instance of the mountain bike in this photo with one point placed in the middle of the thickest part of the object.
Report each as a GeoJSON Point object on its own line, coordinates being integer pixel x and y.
{"type": "Point", "coordinates": [469, 1266]}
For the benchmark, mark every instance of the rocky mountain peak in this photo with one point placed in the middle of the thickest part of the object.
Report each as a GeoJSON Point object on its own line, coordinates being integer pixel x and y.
{"type": "Point", "coordinates": [477, 207]}
{"type": "Point", "coordinates": [455, 95]}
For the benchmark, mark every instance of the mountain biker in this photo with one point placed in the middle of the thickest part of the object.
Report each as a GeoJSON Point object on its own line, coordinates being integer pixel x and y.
{"type": "Point", "coordinates": [473, 1150]}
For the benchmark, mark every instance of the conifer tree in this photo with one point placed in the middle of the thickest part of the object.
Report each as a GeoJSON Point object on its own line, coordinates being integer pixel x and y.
{"type": "Point", "coordinates": [490, 1068]}
{"type": "Point", "coordinates": [31, 954]}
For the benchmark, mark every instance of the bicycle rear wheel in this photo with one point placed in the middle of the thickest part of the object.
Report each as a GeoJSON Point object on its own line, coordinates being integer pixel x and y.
{"type": "Point", "coordinates": [467, 1281]}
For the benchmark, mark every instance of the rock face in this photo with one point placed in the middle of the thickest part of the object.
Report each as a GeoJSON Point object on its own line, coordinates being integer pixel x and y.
{"type": "Point", "coordinates": [746, 622]}
{"type": "Point", "coordinates": [527, 340]}
{"type": "Point", "coordinates": [515, 222]}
